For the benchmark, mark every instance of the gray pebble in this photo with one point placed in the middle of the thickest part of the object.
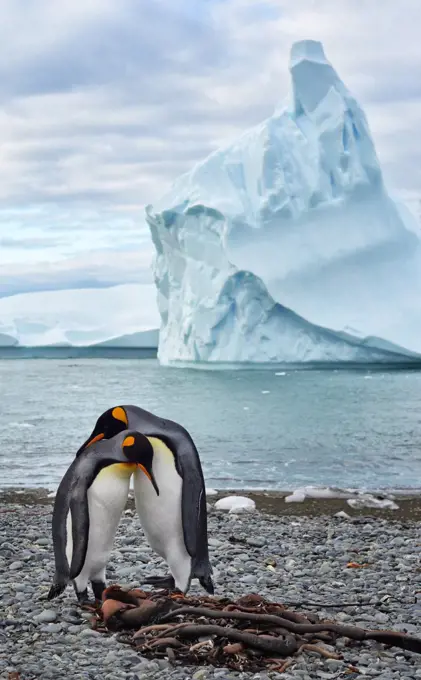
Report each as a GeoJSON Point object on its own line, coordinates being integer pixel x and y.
{"type": "Point", "coordinates": [256, 541]}
{"type": "Point", "coordinates": [43, 541]}
{"type": "Point", "coordinates": [15, 565]}
{"type": "Point", "coordinates": [51, 628]}
{"type": "Point", "coordinates": [46, 616]}
{"type": "Point", "coordinates": [74, 630]}
{"type": "Point", "coordinates": [248, 578]}
{"type": "Point", "coordinates": [88, 632]}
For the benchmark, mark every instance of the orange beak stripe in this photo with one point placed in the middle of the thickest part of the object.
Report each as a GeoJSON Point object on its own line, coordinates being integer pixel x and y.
{"type": "Point", "coordinates": [95, 439]}
{"type": "Point", "coordinates": [142, 467]}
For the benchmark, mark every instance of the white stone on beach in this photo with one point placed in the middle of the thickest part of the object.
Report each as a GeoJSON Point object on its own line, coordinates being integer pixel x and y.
{"type": "Point", "coordinates": [236, 504]}
{"type": "Point", "coordinates": [296, 497]}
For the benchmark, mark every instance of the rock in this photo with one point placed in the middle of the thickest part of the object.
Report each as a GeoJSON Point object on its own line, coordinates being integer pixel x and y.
{"type": "Point", "coordinates": [88, 632]}
{"type": "Point", "coordinates": [201, 674]}
{"type": "Point", "coordinates": [15, 565]}
{"type": "Point", "coordinates": [256, 542]}
{"type": "Point", "coordinates": [126, 571]}
{"type": "Point", "coordinates": [74, 629]}
{"type": "Point", "coordinates": [242, 510]}
{"type": "Point", "coordinates": [231, 502]}
{"type": "Point", "coordinates": [214, 542]}
{"type": "Point", "coordinates": [51, 628]}
{"type": "Point", "coordinates": [46, 616]}
{"type": "Point", "coordinates": [296, 497]}
{"type": "Point", "coordinates": [248, 578]}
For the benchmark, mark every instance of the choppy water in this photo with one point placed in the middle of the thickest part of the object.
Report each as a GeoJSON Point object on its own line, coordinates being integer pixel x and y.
{"type": "Point", "coordinates": [254, 429]}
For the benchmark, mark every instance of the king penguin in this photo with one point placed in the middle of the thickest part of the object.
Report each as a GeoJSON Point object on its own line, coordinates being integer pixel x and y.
{"type": "Point", "coordinates": [87, 509]}
{"type": "Point", "coordinates": [175, 524]}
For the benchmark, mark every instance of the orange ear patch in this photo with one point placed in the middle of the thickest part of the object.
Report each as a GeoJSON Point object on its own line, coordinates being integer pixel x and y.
{"type": "Point", "coordinates": [120, 414]}
{"type": "Point", "coordinates": [129, 441]}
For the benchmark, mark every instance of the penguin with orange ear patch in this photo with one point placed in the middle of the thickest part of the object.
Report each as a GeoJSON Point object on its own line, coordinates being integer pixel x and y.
{"type": "Point", "coordinates": [88, 506]}
{"type": "Point", "coordinates": [175, 524]}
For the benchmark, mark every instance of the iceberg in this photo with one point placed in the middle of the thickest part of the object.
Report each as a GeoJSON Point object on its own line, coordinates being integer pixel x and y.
{"type": "Point", "coordinates": [8, 340]}
{"type": "Point", "coordinates": [285, 246]}
{"type": "Point", "coordinates": [119, 316]}
{"type": "Point", "coordinates": [142, 339]}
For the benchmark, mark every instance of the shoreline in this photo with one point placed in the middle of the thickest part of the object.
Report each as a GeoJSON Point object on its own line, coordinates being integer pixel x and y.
{"type": "Point", "coordinates": [267, 502]}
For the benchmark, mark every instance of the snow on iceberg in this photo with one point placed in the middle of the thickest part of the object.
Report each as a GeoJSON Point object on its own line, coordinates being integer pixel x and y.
{"type": "Point", "coordinates": [294, 215]}
{"type": "Point", "coordinates": [79, 317]}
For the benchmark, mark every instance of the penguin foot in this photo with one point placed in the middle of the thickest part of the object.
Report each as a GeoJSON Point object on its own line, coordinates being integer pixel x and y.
{"type": "Point", "coordinates": [83, 597]}
{"type": "Point", "coordinates": [98, 587]}
{"type": "Point", "coordinates": [165, 582]}
{"type": "Point", "coordinates": [207, 584]}
{"type": "Point", "coordinates": [55, 590]}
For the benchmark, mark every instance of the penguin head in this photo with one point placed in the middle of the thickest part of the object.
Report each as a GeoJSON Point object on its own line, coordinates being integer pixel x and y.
{"type": "Point", "coordinates": [138, 449]}
{"type": "Point", "coordinates": [109, 424]}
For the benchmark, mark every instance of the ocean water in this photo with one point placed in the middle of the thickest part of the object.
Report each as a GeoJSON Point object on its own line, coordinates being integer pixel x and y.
{"type": "Point", "coordinates": [269, 429]}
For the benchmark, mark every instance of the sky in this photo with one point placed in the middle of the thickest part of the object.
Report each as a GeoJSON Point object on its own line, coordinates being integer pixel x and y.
{"type": "Point", "coordinates": [103, 104]}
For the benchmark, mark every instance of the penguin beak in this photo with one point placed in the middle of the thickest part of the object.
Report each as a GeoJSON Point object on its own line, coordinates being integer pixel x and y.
{"type": "Point", "coordinates": [95, 439]}
{"type": "Point", "coordinates": [89, 442]}
{"type": "Point", "coordinates": [150, 476]}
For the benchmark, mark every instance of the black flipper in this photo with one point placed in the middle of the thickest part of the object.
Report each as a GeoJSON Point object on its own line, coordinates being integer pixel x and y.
{"type": "Point", "coordinates": [79, 509]}
{"type": "Point", "coordinates": [59, 532]}
{"type": "Point", "coordinates": [194, 507]}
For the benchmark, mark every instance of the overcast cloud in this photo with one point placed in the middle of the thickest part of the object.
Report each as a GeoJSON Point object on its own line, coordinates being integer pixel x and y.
{"type": "Point", "coordinates": [104, 103]}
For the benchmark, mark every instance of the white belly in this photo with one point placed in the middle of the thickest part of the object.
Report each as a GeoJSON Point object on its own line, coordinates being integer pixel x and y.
{"type": "Point", "coordinates": [161, 516]}
{"type": "Point", "coordinates": [107, 498]}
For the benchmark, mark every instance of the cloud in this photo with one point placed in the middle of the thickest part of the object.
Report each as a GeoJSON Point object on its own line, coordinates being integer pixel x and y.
{"type": "Point", "coordinates": [96, 269]}
{"type": "Point", "coordinates": [103, 104]}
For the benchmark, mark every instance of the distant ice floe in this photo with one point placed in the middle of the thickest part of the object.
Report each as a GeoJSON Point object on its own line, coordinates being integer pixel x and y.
{"type": "Point", "coordinates": [355, 499]}
{"type": "Point", "coordinates": [236, 504]}
{"type": "Point", "coordinates": [75, 317]}
{"type": "Point", "coordinates": [211, 492]}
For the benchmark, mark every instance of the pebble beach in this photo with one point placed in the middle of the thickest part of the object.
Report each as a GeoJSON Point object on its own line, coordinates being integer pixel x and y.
{"type": "Point", "coordinates": [289, 554]}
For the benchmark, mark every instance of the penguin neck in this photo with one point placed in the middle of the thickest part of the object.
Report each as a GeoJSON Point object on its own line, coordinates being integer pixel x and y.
{"type": "Point", "coordinates": [117, 470]}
